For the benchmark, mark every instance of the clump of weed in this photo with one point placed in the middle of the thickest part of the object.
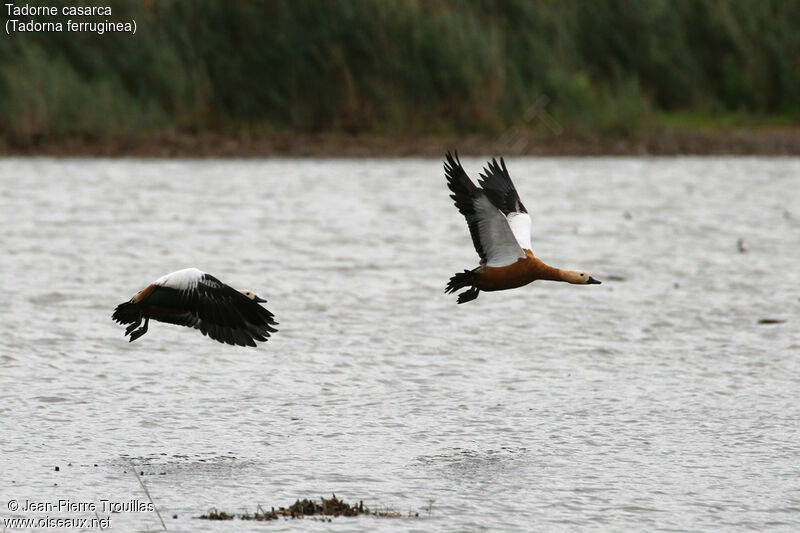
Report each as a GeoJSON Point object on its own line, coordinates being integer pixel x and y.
{"type": "Point", "coordinates": [213, 514]}
{"type": "Point", "coordinates": [325, 507]}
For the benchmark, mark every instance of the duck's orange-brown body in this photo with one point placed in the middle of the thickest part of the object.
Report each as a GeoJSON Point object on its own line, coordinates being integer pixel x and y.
{"type": "Point", "coordinates": [524, 271]}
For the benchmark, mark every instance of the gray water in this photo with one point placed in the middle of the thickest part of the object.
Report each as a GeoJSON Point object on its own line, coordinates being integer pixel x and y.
{"type": "Point", "coordinates": [653, 402]}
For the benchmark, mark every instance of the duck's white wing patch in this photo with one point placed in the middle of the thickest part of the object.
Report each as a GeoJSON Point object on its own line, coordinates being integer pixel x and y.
{"type": "Point", "coordinates": [520, 224]}
{"type": "Point", "coordinates": [496, 236]}
{"type": "Point", "coordinates": [181, 280]}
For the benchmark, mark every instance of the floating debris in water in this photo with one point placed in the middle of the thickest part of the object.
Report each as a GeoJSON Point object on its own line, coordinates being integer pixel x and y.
{"type": "Point", "coordinates": [740, 246]}
{"type": "Point", "coordinates": [302, 508]}
{"type": "Point", "coordinates": [771, 321]}
{"type": "Point", "coordinates": [213, 514]}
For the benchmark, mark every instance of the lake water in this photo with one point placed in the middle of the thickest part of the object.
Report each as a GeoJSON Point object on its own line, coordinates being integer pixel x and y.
{"type": "Point", "coordinates": [653, 402]}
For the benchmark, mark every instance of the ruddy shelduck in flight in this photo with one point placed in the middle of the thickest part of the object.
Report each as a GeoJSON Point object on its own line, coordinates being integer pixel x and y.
{"type": "Point", "coordinates": [192, 298]}
{"type": "Point", "coordinates": [501, 232]}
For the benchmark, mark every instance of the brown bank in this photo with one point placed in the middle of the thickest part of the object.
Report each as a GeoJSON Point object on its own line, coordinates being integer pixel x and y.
{"type": "Point", "coordinates": [745, 141]}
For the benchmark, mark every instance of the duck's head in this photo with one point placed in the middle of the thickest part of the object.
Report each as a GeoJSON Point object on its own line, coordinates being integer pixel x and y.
{"type": "Point", "coordinates": [578, 277]}
{"type": "Point", "coordinates": [252, 296]}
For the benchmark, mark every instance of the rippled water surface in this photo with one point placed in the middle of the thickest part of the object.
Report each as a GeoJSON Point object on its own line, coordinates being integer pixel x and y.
{"type": "Point", "coordinates": [655, 401]}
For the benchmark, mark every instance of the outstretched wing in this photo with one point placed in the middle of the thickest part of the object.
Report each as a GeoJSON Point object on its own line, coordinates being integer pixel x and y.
{"type": "Point", "coordinates": [501, 192]}
{"type": "Point", "coordinates": [216, 309]}
{"type": "Point", "coordinates": [489, 228]}
{"type": "Point", "coordinates": [227, 315]}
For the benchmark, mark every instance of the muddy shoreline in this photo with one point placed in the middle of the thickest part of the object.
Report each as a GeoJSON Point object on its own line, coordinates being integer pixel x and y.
{"type": "Point", "coordinates": [765, 142]}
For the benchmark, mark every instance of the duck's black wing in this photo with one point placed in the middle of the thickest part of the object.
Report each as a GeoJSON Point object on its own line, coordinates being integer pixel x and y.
{"type": "Point", "coordinates": [491, 235]}
{"type": "Point", "coordinates": [216, 309]}
{"type": "Point", "coordinates": [227, 315]}
{"type": "Point", "coordinates": [500, 190]}
{"type": "Point", "coordinates": [498, 186]}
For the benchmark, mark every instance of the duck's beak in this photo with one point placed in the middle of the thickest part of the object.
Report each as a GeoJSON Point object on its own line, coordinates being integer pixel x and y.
{"type": "Point", "coordinates": [592, 281]}
{"type": "Point", "coordinates": [258, 300]}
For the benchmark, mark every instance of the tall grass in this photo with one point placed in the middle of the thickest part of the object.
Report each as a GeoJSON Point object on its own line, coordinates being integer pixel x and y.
{"type": "Point", "coordinates": [401, 67]}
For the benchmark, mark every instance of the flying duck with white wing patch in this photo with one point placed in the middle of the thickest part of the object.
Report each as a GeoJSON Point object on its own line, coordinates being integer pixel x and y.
{"type": "Point", "coordinates": [501, 233]}
{"type": "Point", "coordinates": [192, 298]}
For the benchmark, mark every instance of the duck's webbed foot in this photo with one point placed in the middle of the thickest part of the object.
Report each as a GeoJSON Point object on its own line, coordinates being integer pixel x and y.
{"type": "Point", "coordinates": [469, 295]}
{"type": "Point", "coordinates": [133, 326]}
{"type": "Point", "coordinates": [139, 332]}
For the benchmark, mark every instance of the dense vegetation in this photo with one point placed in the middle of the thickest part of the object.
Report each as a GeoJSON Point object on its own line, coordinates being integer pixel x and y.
{"type": "Point", "coordinates": [404, 67]}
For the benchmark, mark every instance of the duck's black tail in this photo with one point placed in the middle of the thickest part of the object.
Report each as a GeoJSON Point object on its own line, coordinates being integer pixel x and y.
{"type": "Point", "coordinates": [126, 312]}
{"type": "Point", "coordinates": [460, 280]}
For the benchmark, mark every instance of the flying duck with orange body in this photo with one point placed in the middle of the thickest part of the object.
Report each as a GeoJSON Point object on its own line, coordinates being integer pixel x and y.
{"type": "Point", "coordinates": [501, 233]}
{"type": "Point", "coordinates": [195, 299]}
